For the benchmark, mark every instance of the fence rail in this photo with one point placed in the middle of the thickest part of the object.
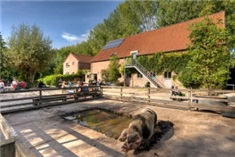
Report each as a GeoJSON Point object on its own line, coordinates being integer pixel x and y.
{"type": "Point", "coordinates": [13, 101]}
{"type": "Point", "coordinates": [220, 101]}
{"type": "Point", "coordinates": [191, 99]}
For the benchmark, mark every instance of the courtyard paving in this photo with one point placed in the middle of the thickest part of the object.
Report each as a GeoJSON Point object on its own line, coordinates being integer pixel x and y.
{"type": "Point", "coordinates": [45, 133]}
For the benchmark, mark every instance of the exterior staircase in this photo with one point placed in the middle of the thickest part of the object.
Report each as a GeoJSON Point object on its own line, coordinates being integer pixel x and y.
{"type": "Point", "coordinates": [141, 69]}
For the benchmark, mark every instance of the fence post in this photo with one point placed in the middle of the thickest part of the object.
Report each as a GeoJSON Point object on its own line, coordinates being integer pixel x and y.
{"type": "Point", "coordinates": [76, 90]}
{"type": "Point", "coordinates": [40, 96]}
{"type": "Point", "coordinates": [101, 90]}
{"type": "Point", "coordinates": [190, 98]}
{"type": "Point", "coordinates": [121, 92]}
{"type": "Point", "coordinates": [149, 95]}
{"type": "Point", "coordinates": [76, 94]}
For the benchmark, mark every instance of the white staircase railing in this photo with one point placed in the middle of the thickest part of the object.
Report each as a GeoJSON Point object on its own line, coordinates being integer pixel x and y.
{"type": "Point", "coordinates": [148, 75]}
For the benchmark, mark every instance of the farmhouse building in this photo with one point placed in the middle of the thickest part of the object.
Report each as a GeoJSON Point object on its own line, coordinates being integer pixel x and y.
{"type": "Point", "coordinates": [75, 62]}
{"type": "Point", "coordinates": [173, 38]}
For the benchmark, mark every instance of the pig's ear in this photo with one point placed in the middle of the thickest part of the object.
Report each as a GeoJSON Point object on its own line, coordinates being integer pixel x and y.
{"type": "Point", "coordinates": [123, 135]}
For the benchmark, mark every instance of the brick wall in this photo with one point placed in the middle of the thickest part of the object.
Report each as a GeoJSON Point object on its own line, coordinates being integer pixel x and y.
{"type": "Point", "coordinates": [134, 81]}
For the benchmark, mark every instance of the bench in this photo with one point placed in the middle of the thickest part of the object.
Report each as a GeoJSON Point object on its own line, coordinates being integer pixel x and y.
{"type": "Point", "coordinates": [37, 100]}
{"type": "Point", "coordinates": [85, 94]}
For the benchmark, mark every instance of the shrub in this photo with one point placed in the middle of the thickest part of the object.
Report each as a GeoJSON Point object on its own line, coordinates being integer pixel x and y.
{"type": "Point", "coordinates": [52, 80]}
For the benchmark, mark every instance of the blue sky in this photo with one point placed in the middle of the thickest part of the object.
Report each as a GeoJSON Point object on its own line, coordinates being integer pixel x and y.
{"type": "Point", "coordinates": [64, 22]}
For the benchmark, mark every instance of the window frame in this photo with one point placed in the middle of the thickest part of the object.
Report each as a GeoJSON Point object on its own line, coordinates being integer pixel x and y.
{"type": "Point", "coordinates": [167, 75]}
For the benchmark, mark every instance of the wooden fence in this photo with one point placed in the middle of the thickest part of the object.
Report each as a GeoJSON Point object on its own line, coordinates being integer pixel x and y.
{"type": "Point", "coordinates": [220, 101]}
{"type": "Point", "coordinates": [15, 101]}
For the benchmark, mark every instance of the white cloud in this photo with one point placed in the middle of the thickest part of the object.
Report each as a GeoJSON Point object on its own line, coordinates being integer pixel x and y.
{"type": "Point", "coordinates": [74, 38]}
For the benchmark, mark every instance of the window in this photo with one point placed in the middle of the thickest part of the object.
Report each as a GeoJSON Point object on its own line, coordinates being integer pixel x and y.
{"type": "Point", "coordinates": [139, 75]}
{"type": "Point", "coordinates": [167, 75]}
{"type": "Point", "coordinates": [128, 75]}
{"type": "Point", "coordinates": [73, 63]}
{"type": "Point", "coordinates": [67, 65]}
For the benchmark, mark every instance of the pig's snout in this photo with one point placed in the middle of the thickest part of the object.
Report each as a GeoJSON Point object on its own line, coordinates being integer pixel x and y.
{"type": "Point", "coordinates": [125, 148]}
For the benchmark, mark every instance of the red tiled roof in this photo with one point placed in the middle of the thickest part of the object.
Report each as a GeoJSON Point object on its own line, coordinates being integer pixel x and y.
{"type": "Point", "coordinates": [82, 58]}
{"type": "Point", "coordinates": [166, 39]}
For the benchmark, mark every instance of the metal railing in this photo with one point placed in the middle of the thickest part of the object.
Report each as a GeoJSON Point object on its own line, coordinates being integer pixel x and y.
{"type": "Point", "coordinates": [146, 73]}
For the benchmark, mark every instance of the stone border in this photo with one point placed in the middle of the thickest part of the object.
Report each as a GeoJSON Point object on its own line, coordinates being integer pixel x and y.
{"type": "Point", "coordinates": [11, 145]}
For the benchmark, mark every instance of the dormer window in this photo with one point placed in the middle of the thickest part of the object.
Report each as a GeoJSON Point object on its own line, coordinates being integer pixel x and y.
{"type": "Point", "coordinates": [134, 54]}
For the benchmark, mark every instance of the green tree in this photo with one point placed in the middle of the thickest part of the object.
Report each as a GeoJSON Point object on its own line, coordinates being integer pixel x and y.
{"type": "Point", "coordinates": [98, 38]}
{"type": "Point", "coordinates": [228, 6]}
{"type": "Point", "coordinates": [6, 72]}
{"type": "Point", "coordinates": [138, 16]}
{"type": "Point", "coordinates": [113, 69]}
{"type": "Point", "coordinates": [170, 12]}
{"type": "Point", "coordinates": [210, 59]}
{"type": "Point", "coordinates": [29, 51]}
{"type": "Point", "coordinates": [84, 48]}
{"type": "Point", "coordinates": [2, 49]}
{"type": "Point", "coordinates": [105, 75]}
{"type": "Point", "coordinates": [49, 69]}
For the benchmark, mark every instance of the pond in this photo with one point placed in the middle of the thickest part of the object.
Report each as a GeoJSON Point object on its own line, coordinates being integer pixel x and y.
{"type": "Point", "coordinates": [112, 124]}
{"type": "Point", "coordinates": [109, 123]}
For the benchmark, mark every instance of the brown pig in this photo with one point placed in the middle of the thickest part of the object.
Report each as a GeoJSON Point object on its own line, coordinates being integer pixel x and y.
{"type": "Point", "coordinates": [139, 131]}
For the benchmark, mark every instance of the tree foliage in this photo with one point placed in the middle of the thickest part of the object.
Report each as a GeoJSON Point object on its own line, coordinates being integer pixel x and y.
{"type": "Point", "coordinates": [210, 60]}
{"type": "Point", "coordinates": [6, 72]}
{"type": "Point", "coordinates": [53, 80]}
{"type": "Point", "coordinates": [160, 62]}
{"type": "Point", "coordinates": [139, 16]}
{"type": "Point", "coordinates": [113, 69]}
{"type": "Point", "coordinates": [29, 51]}
{"type": "Point", "coordinates": [170, 12]}
{"type": "Point", "coordinates": [112, 73]}
{"type": "Point", "coordinates": [2, 49]}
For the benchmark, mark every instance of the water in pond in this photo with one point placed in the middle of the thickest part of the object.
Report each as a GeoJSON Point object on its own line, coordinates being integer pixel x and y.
{"type": "Point", "coordinates": [105, 122]}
